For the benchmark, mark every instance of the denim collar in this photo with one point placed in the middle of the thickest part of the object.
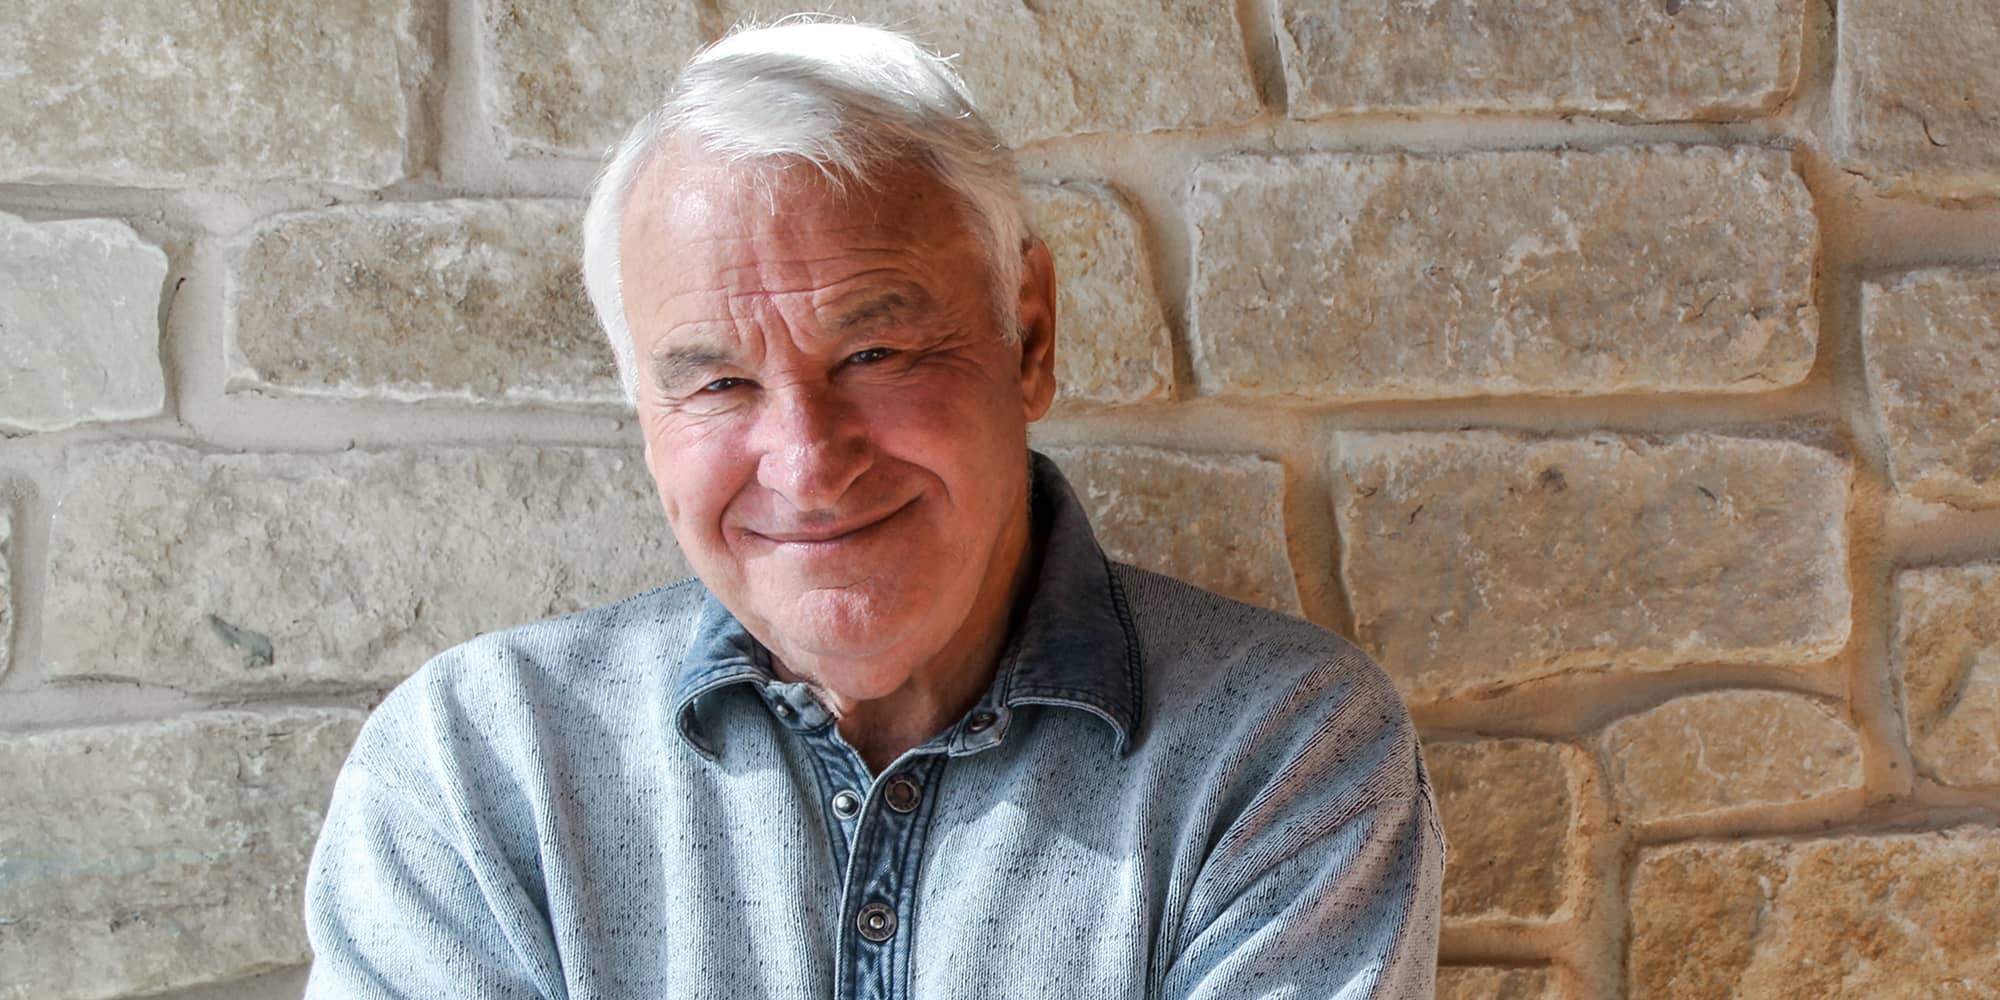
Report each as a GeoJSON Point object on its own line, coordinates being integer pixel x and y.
{"type": "Point", "coordinates": [1073, 647]}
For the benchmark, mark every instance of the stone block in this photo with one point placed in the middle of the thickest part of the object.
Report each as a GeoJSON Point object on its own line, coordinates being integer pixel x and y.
{"type": "Point", "coordinates": [150, 856]}
{"type": "Point", "coordinates": [1666, 61]}
{"type": "Point", "coordinates": [171, 94]}
{"type": "Point", "coordinates": [1112, 345]}
{"type": "Point", "coordinates": [571, 78]}
{"type": "Point", "coordinates": [1043, 70]}
{"type": "Point", "coordinates": [1725, 751]}
{"type": "Point", "coordinates": [80, 304]}
{"type": "Point", "coordinates": [1478, 560]}
{"type": "Point", "coordinates": [1918, 94]}
{"type": "Point", "coordinates": [1932, 343]}
{"type": "Point", "coordinates": [1489, 983]}
{"type": "Point", "coordinates": [1893, 916]}
{"type": "Point", "coordinates": [479, 301]}
{"type": "Point", "coordinates": [1513, 813]}
{"type": "Point", "coordinates": [1217, 521]}
{"type": "Point", "coordinates": [1328, 278]}
{"type": "Point", "coordinates": [1947, 659]}
{"type": "Point", "coordinates": [344, 571]}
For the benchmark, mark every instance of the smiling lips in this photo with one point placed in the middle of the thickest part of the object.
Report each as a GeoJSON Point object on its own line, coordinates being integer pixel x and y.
{"type": "Point", "coordinates": [832, 535]}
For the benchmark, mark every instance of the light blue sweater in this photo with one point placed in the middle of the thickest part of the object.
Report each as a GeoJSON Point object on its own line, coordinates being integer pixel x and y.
{"type": "Point", "coordinates": [1163, 793]}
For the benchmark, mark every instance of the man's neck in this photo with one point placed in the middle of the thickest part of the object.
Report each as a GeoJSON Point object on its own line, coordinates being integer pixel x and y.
{"type": "Point", "coordinates": [943, 689]}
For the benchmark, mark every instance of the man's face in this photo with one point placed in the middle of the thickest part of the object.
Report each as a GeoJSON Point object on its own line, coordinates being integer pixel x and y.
{"type": "Point", "coordinates": [837, 428]}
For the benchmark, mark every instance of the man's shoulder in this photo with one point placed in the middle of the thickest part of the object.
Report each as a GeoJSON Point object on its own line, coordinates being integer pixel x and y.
{"type": "Point", "coordinates": [1186, 626]}
{"type": "Point", "coordinates": [646, 631]}
{"type": "Point", "coordinates": [501, 683]}
{"type": "Point", "coordinates": [1203, 654]}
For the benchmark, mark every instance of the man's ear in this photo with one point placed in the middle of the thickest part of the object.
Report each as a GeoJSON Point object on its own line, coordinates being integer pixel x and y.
{"type": "Point", "coordinates": [1036, 325]}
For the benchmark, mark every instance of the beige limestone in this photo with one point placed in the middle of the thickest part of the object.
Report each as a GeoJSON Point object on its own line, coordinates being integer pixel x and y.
{"type": "Point", "coordinates": [80, 307]}
{"type": "Point", "coordinates": [1044, 69]}
{"type": "Point", "coordinates": [1665, 60]}
{"type": "Point", "coordinates": [1947, 660]}
{"type": "Point", "coordinates": [1513, 814]}
{"type": "Point", "coordinates": [1918, 92]}
{"type": "Point", "coordinates": [176, 94]}
{"type": "Point", "coordinates": [473, 300]}
{"type": "Point", "coordinates": [572, 77]}
{"type": "Point", "coordinates": [1325, 278]}
{"type": "Point", "coordinates": [154, 855]}
{"type": "Point", "coordinates": [1725, 752]}
{"type": "Point", "coordinates": [252, 573]}
{"type": "Point", "coordinates": [1213, 520]}
{"type": "Point", "coordinates": [1478, 560]}
{"type": "Point", "coordinates": [1932, 342]}
{"type": "Point", "coordinates": [6, 586]}
{"type": "Point", "coordinates": [1891, 917]}
{"type": "Point", "coordinates": [1486, 983]}
{"type": "Point", "coordinates": [1112, 345]}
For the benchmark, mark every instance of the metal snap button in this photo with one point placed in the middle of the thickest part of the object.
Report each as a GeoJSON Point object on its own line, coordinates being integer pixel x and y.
{"type": "Point", "coordinates": [785, 711]}
{"type": "Point", "coordinates": [846, 804]}
{"type": "Point", "coordinates": [981, 722]}
{"type": "Point", "coordinates": [877, 922]}
{"type": "Point", "coordinates": [903, 794]}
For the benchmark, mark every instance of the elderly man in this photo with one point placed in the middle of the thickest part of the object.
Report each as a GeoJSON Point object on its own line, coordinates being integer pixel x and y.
{"type": "Point", "coordinates": [910, 734]}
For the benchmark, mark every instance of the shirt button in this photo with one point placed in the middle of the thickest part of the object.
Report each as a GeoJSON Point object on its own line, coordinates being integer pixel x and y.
{"type": "Point", "coordinates": [903, 794]}
{"type": "Point", "coordinates": [981, 722]}
{"type": "Point", "coordinates": [877, 922]}
{"type": "Point", "coordinates": [846, 804]}
{"type": "Point", "coordinates": [785, 711]}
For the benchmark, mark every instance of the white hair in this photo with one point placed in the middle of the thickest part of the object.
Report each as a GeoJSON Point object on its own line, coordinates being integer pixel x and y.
{"type": "Point", "coordinates": [854, 101]}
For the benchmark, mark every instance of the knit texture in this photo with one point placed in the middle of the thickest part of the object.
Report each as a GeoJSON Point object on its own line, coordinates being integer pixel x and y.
{"type": "Point", "coordinates": [1163, 793]}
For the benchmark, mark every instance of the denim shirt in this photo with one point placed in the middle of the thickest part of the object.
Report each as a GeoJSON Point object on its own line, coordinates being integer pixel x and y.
{"type": "Point", "coordinates": [1162, 793]}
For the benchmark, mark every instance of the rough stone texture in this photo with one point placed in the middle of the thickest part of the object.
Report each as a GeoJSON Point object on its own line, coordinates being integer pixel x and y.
{"type": "Point", "coordinates": [1901, 916]}
{"type": "Point", "coordinates": [1947, 655]}
{"type": "Point", "coordinates": [348, 570]}
{"type": "Point", "coordinates": [6, 585]}
{"type": "Point", "coordinates": [171, 94]}
{"type": "Point", "coordinates": [1726, 751]}
{"type": "Point", "coordinates": [1669, 60]}
{"type": "Point", "coordinates": [1039, 70]}
{"type": "Point", "coordinates": [149, 856]}
{"type": "Point", "coordinates": [1478, 560]}
{"type": "Point", "coordinates": [1918, 90]}
{"type": "Point", "coordinates": [1512, 812]}
{"type": "Point", "coordinates": [1226, 514]}
{"type": "Point", "coordinates": [1112, 345]}
{"type": "Point", "coordinates": [1477, 983]}
{"type": "Point", "coordinates": [572, 76]}
{"type": "Point", "coordinates": [1932, 341]}
{"type": "Point", "coordinates": [471, 300]}
{"type": "Point", "coordinates": [79, 323]}
{"type": "Point", "coordinates": [1332, 278]}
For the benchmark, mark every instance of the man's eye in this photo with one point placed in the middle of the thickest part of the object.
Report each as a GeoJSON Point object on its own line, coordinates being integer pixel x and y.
{"type": "Point", "coordinates": [870, 356]}
{"type": "Point", "coordinates": [724, 384]}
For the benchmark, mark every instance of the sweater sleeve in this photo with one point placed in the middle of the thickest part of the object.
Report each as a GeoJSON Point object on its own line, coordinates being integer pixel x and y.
{"type": "Point", "coordinates": [1327, 883]}
{"type": "Point", "coordinates": [398, 906]}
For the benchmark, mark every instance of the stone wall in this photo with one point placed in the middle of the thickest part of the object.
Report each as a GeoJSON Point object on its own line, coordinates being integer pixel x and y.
{"type": "Point", "coordinates": [1621, 374]}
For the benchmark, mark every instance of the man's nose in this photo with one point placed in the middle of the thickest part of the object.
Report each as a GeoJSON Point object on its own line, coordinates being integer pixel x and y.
{"type": "Point", "coordinates": [813, 446]}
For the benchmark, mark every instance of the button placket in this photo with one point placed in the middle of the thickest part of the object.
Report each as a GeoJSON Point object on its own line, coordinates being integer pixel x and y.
{"type": "Point", "coordinates": [888, 841]}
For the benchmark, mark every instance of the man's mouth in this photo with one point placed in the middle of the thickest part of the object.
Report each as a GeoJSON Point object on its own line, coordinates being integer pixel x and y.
{"type": "Point", "coordinates": [844, 530]}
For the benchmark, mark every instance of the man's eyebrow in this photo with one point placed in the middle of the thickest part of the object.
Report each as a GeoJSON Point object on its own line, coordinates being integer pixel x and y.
{"type": "Point", "coordinates": [678, 363]}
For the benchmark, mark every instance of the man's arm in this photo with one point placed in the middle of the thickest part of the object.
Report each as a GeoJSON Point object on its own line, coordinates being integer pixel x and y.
{"type": "Point", "coordinates": [1327, 884]}
{"type": "Point", "coordinates": [400, 905]}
